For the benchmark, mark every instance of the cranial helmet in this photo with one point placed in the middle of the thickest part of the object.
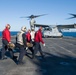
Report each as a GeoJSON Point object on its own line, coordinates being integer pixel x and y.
{"type": "Point", "coordinates": [8, 26]}
{"type": "Point", "coordinates": [11, 45]}
{"type": "Point", "coordinates": [23, 28]}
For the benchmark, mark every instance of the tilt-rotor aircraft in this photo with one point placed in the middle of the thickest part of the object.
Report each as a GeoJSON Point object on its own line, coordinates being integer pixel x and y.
{"type": "Point", "coordinates": [49, 30]}
{"type": "Point", "coordinates": [32, 20]}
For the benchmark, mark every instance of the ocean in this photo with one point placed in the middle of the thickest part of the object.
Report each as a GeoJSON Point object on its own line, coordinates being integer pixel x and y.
{"type": "Point", "coordinates": [68, 34]}
{"type": "Point", "coordinates": [12, 33]}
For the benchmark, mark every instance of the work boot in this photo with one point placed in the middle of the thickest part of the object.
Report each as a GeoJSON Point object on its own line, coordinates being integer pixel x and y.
{"type": "Point", "coordinates": [3, 58]}
{"type": "Point", "coordinates": [33, 56]}
{"type": "Point", "coordinates": [42, 56]}
{"type": "Point", "coordinates": [20, 63]}
{"type": "Point", "coordinates": [14, 57]}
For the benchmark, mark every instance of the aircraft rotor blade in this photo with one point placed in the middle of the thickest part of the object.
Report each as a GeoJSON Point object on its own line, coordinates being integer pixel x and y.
{"type": "Point", "coordinates": [33, 16]}
{"type": "Point", "coordinates": [22, 17]}
{"type": "Point", "coordinates": [72, 14]}
{"type": "Point", "coordinates": [40, 15]}
{"type": "Point", "coordinates": [71, 17]}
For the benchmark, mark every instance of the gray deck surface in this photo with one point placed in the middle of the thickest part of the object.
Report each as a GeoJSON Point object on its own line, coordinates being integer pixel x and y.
{"type": "Point", "coordinates": [60, 59]}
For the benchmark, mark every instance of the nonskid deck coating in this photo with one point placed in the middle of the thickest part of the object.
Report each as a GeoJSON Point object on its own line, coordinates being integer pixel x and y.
{"type": "Point", "coordinates": [60, 59]}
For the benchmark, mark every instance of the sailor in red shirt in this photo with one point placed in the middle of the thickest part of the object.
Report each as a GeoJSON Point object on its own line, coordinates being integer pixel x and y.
{"type": "Point", "coordinates": [6, 38]}
{"type": "Point", "coordinates": [38, 39]}
{"type": "Point", "coordinates": [6, 33]}
{"type": "Point", "coordinates": [28, 38]}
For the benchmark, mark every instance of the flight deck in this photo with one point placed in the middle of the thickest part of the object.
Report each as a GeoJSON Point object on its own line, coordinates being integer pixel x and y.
{"type": "Point", "coordinates": [60, 59]}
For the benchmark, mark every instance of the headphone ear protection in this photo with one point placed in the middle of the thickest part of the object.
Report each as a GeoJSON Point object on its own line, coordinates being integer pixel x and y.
{"type": "Point", "coordinates": [8, 26]}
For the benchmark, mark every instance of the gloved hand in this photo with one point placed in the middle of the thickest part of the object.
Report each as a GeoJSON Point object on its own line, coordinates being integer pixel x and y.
{"type": "Point", "coordinates": [9, 42]}
{"type": "Point", "coordinates": [44, 44]}
{"type": "Point", "coordinates": [33, 40]}
{"type": "Point", "coordinates": [26, 48]}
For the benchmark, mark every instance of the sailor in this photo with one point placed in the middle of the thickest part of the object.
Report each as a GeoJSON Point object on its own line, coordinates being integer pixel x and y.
{"type": "Point", "coordinates": [21, 44]}
{"type": "Point", "coordinates": [32, 35]}
{"type": "Point", "coordinates": [28, 35]}
{"type": "Point", "coordinates": [6, 39]}
{"type": "Point", "coordinates": [38, 39]}
{"type": "Point", "coordinates": [29, 41]}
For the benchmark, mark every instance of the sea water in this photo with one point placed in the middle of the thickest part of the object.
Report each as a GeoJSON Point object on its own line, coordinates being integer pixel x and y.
{"type": "Point", "coordinates": [12, 33]}
{"type": "Point", "coordinates": [68, 34]}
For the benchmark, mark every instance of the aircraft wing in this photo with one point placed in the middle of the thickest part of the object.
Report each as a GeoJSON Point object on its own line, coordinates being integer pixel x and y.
{"type": "Point", "coordinates": [66, 26]}
{"type": "Point", "coordinates": [58, 26]}
{"type": "Point", "coordinates": [38, 25]}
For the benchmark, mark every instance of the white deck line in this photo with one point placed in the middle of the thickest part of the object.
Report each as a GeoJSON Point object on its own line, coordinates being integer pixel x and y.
{"type": "Point", "coordinates": [65, 49]}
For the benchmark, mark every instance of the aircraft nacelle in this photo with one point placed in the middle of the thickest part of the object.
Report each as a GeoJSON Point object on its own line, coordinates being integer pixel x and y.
{"type": "Point", "coordinates": [32, 21]}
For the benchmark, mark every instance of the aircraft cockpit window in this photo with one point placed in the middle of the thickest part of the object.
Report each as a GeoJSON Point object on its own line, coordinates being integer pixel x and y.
{"type": "Point", "coordinates": [48, 29]}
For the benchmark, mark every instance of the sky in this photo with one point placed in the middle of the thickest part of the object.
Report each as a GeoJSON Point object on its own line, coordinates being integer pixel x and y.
{"type": "Point", "coordinates": [57, 12]}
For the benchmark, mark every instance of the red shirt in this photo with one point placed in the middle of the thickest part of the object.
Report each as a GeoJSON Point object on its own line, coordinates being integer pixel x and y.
{"type": "Point", "coordinates": [28, 37]}
{"type": "Point", "coordinates": [38, 36]}
{"type": "Point", "coordinates": [6, 34]}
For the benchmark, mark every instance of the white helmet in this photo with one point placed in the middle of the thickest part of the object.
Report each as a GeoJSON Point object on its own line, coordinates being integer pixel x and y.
{"type": "Point", "coordinates": [23, 28]}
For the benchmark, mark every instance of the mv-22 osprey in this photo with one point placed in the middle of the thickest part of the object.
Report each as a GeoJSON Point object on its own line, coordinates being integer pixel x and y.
{"type": "Point", "coordinates": [48, 30]}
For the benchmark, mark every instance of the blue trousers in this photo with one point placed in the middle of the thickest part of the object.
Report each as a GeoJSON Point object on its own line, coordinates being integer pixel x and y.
{"type": "Point", "coordinates": [22, 52]}
{"type": "Point", "coordinates": [37, 48]}
{"type": "Point", "coordinates": [4, 48]}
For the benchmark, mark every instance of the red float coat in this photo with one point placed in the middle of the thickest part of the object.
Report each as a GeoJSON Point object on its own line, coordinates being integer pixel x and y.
{"type": "Point", "coordinates": [28, 37]}
{"type": "Point", "coordinates": [6, 34]}
{"type": "Point", "coordinates": [38, 36]}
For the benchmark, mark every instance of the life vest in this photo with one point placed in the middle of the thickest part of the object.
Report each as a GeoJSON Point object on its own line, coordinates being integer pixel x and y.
{"type": "Point", "coordinates": [20, 38]}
